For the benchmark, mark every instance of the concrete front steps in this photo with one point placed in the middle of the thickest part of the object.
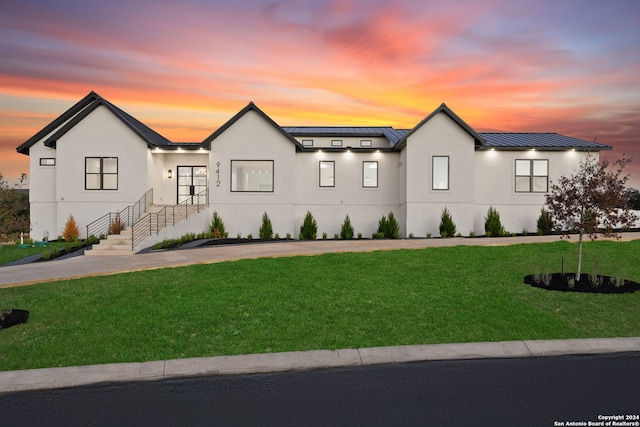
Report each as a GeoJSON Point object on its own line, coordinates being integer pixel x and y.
{"type": "Point", "coordinates": [114, 244]}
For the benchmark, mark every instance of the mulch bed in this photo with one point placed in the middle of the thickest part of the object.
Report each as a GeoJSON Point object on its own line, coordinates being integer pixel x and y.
{"type": "Point", "coordinates": [587, 283]}
{"type": "Point", "coordinates": [12, 317]}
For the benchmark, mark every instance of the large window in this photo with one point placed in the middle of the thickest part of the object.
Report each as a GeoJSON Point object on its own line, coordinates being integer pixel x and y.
{"type": "Point", "coordinates": [440, 173]}
{"type": "Point", "coordinates": [532, 176]}
{"type": "Point", "coordinates": [369, 174]}
{"type": "Point", "coordinates": [327, 174]}
{"type": "Point", "coordinates": [101, 173]}
{"type": "Point", "coordinates": [252, 175]}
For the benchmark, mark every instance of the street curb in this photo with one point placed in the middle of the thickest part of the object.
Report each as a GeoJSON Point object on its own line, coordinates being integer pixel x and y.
{"type": "Point", "coordinates": [52, 378]}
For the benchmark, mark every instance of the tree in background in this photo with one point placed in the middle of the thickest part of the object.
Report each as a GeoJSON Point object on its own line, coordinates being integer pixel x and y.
{"type": "Point", "coordinates": [592, 201]}
{"type": "Point", "coordinates": [14, 207]}
{"type": "Point", "coordinates": [633, 195]}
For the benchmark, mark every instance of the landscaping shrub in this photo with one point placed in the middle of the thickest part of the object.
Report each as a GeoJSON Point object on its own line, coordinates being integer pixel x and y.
{"type": "Point", "coordinates": [388, 227]}
{"type": "Point", "coordinates": [544, 224]}
{"type": "Point", "coordinates": [346, 231]}
{"type": "Point", "coordinates": [71, 232]}
{"type": "Point", "coordinates": [309, 228]}
{"type": "Point", "coordinates": [116, 225]}
{"type": "Point", "coordinates": [217, 227]}
{"type": "Point", "coordinates": [266, 229]}
{"type": "Point", "coordinates": [492, 224]}
{"type": "Point", "coordinates": [447, 226]}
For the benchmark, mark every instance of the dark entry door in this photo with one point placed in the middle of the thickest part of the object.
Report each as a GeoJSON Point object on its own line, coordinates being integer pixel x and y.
{"type": "Point", "coordinates": [191, 181]}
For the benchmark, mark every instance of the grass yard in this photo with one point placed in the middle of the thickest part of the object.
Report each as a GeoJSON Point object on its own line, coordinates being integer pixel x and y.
{"type": "Point", "coordinates": [10, 253]}
{"type": "Point", "coordinates": [384, 298]}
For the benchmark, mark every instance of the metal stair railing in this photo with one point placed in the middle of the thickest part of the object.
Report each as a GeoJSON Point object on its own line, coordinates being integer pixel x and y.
{"type": "Point", "coordinates": [168, 216]}
{"type": "Point", "coordinates": [127, 216]}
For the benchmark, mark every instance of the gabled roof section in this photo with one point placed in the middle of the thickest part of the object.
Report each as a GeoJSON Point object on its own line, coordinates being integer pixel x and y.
{"type": "Point", "coordinates": [479, 140]}
{"type": "Point", "coordinates": [544, 141]}
{"type": "Point", "coordinates": [64, 117]}
{"type": "Point", "coordinates": [250, 107]}
{"type": "Point", "coordinates": [74, 115]}
{"type": "Point", "coordinates": [392, 135]}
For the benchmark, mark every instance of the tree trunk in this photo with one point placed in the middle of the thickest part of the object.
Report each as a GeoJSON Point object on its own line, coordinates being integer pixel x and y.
{"type": "Point", "coordinates": [579, 256]}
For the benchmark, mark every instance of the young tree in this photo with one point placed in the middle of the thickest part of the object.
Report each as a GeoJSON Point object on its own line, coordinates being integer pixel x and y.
{"type": "Point", "coordinates": [447, 226]}
{"type": "Point", "coordinates": [266, 229]}
{"type": "Point", "coordinates": [592, 201]}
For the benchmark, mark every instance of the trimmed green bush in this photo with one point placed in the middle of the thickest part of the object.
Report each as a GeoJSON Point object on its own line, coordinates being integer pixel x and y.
{"type": "Point", "coordinates": [388, 227]}
{"type": "Point", "coordinates": [544, 225]}
{"type": "Point", "coordinates": [266, 229]}
{"type": "Point", "coordinates": [309, 228]}
{"type": "Point", "coordinates": [447, 226]}
{"type": "Point", "coordinates": [346, 231]}
{"type": "Point", "coordinates": [217, 227]}
{"type": "Point", "coordinates": [492, 224]}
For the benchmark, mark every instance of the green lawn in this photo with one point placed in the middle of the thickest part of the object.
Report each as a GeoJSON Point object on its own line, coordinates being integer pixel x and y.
{"type": "Point", "coordinates": [383, 298]}
{"type": "Point", "coordinates": [10, 253]}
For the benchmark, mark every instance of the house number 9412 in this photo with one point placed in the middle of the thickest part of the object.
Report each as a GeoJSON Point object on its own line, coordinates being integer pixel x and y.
{"type": "Point", "coordinates": [217, 174]}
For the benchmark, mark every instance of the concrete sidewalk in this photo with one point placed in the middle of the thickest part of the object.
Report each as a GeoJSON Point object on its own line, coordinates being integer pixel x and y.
{"type": "Point", "coordinates": [84, 266]}
{"type": "Point", "coordinates": [51, 378]}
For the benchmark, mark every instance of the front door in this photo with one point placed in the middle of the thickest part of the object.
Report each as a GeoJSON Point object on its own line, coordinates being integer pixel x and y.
{"type": "Point", "coordinates": [191, 181]}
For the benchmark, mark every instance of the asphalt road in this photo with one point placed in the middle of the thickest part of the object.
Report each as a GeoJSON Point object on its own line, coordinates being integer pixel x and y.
{"type": "Point", "coordinates": [544, 391]}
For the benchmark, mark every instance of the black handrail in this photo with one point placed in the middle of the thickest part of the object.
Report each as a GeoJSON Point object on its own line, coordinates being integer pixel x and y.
{"type": "Point", "coordinates": [127, 216]}
{"type": "Point", "coordinates": [154, 222]}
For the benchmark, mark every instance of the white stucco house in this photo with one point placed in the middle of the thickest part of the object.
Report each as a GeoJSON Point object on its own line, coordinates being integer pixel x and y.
{"type": "Point", "coordinates": [96, 159]}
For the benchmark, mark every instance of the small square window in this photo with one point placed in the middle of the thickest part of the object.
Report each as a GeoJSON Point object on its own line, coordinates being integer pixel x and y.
{"type": "Point", "coordinates": [366, 143]}
{"type": "Point", "coordinates": [47, 161]}
{"type": "Point", "coordinates": [336, 143]}
{"type": "Point", "coordinates": [307, 142]}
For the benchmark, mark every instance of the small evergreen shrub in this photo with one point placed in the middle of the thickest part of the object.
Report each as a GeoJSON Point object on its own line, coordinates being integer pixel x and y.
{"type": "Point", "coordinates": [492, 224]}
{"type": "Point", "coordinates": [378, 235]}
{"type": "Point", "coordinates": [288, 236]}
{"type": "Point", "coordinates": [277, 236]}
{"type": "Point", "coordinates": [324, 236]}
{"type": "Point", "coordinates": [544, 224]}
{"type": "Point", "coordinates": [266, 229]}
{"type": "Point", "coordinates": [411, 236]}
{"type": "Point", "coordinates": [346, 231]}
{"type": "Point", "coordinates": [309, 228]}
{"type": "Point", "coordinates": [71, 232]}
{"type": "Point", "coordinates": [359, 235]}
{"type": "Point", "coordinates": [250, 236]}
{"type": "Point", "coordinates": [217, 227]}
{"type": "Point", "coordinates": [447, 226]}
{"type": "Point", "coordinates": [388, 227]}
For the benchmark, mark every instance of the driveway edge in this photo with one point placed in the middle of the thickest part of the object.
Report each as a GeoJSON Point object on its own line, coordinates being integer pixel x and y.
{"type": "Point", "coordinates": [52, 378]}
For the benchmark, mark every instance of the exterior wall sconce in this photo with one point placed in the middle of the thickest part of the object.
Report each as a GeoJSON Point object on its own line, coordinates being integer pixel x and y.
{"type": "Point", "coordinates": [169, 174]}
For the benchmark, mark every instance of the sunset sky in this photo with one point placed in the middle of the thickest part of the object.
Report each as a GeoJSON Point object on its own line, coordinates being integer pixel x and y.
{"type": "Point", "coordinates": [185, 67]}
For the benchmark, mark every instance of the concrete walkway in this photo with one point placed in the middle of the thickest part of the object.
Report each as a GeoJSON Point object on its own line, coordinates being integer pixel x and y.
{"type": "Point", "coordinates": [84, 266]}
{"type": "Point", "coordinates": [12, 381]}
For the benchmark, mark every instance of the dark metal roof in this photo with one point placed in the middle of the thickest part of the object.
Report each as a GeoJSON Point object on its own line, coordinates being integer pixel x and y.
{"type": "Point", "coordinates": [67, 120]}
{"type": "Point", "coordinates": [392, 135]}
{"type": "Point", "coordinates": [545, 141]}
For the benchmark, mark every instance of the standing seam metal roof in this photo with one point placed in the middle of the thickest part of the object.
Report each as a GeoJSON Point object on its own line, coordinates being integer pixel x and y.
{"type": "Point", "coordinates": [538, 140]}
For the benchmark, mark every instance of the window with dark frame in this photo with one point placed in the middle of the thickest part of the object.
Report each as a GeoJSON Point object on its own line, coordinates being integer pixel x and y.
{"type": "Point", "coordinates": [327, 173]}
{"type": "Point", "coordinates": [440, 172]}
{"type": "Point", "coordinates": [252, 176]}
{"type": "Point", "coordinates": [47, 161]}
{"type": "Point", "coordinates": [366, 143]}
{"type": "Point", "coordinates": [307, 142]}
{"type": "Point", "coordinates": [370, 174]}
{"type": "Point", "coordinates": [532, 176]}
{"type": "Point", "coordinates": [336, 143]}
{"type": "Point", "coordinates": [101, 173]}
